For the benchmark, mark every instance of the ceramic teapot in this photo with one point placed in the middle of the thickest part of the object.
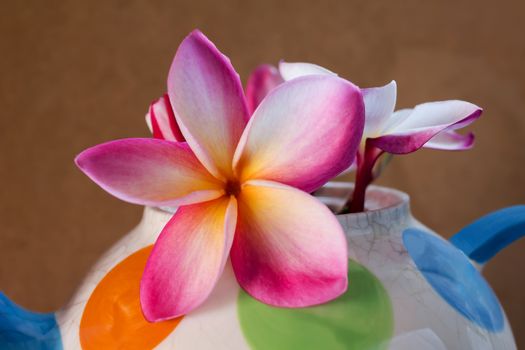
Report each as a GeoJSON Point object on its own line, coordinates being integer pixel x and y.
{"type": "Point", "coordinates": [408, 289]}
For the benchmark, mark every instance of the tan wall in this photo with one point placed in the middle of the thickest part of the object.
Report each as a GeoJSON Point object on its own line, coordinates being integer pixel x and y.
{"type": "Point", "coordinates": [74, 74]}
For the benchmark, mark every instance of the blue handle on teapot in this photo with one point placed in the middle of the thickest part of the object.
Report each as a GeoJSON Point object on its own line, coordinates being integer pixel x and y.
{"type": "Point", "coordinates": [485, 237]}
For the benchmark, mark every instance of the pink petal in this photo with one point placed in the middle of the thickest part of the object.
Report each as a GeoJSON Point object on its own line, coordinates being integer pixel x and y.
{"type": "Point", "coordinates": [187, 259]}
{"type": "Point", "coordinates": [161, 120]}
{"type": "Point", "coordinates": [262, 80]}
{"type": "Point", "coordinates": [289, 249]}
{"type": "Point", "coordinates": [450, 140]}
{"type": "Point", "coordinates": [379, 106]}
{"type": "Point", "coordinates": [291, 71]}
{"type": "Point", "coordinates": [415, 129]}
{"type": "Point", "coordinates": [149, 172]}
{"type": "Point", "coordinates": [208, 101]}
{"type": "Point", "coordinates": [304, 132]}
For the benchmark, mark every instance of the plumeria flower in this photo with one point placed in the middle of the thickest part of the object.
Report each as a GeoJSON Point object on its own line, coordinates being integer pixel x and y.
{"type": "Point", "coordinates": [261, 81]}
{"type": "Point", "coordinates": [240, 184]}
{"type": "Point", "coordinates": [430, 125]}
{"type": "Point", "coordinates": [161, 120]}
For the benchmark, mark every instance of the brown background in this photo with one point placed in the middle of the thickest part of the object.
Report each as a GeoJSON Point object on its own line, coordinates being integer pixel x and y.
{"type": "Point", "coordinates": [74, 74]}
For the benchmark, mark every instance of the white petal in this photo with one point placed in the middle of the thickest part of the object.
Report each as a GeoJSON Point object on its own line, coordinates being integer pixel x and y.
{"type": "Point", "coordinates": [379, 107]}
{"type": "Point", "coordinates": [291, 71]}
{"type": "Point", "coordinates": [436, 114]}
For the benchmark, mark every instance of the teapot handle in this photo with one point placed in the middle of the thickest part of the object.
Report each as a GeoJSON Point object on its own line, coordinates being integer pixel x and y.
{"type": "Point", "coordinates": [486, 236]}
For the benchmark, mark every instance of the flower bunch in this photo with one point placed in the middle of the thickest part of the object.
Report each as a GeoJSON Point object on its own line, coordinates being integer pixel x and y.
{"type": "Point", "coordinates": [240, 167]}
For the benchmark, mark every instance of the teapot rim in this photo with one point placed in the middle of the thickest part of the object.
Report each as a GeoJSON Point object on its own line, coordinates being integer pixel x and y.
{"type": "Point", "coordinates": [378, 198]}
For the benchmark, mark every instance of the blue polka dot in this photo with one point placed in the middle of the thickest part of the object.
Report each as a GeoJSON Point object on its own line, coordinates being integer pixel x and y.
{"type": "Point", "coordinates": [453, 277]}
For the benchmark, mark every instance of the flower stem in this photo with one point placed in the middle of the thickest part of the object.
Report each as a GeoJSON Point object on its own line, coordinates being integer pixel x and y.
{"type": "Point", "coordinates": [364, 177]}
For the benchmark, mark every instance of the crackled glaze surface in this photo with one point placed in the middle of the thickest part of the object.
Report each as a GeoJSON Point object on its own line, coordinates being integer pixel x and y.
{"type": "Point", "coordinates": [420, 312]}
{"type": "Point", "coordinates": [404, 311]}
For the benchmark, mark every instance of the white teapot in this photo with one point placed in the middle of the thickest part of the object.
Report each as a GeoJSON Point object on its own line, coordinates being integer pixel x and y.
{"type": "Point", "coordinates": [408, 289]}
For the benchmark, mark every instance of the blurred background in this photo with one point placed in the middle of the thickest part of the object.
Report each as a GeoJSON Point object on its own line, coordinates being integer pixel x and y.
{"type": "Point", "coordinates": [76, 73]}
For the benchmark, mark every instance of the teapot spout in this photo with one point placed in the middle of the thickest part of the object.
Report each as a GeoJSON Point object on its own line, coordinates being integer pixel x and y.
{"type": "Point", "coordinates": [488, 235]}
{"type": "Point", "coordinates": [23, 329]}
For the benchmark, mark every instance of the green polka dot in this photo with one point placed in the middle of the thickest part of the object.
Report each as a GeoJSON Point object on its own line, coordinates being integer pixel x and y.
{"type": "Point", "coordinates": [359, 319]}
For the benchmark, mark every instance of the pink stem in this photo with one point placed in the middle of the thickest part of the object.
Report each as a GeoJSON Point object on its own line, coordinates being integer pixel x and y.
{"type": "Point", "coordinates": [364, 177]}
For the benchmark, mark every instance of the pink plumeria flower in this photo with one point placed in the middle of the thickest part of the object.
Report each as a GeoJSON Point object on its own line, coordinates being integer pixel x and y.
{"type": "Point", "coordinates": [261, 81]}
{"type": "Point", "coordinates": [431, 125]}
{"type": "Point", "coordinates": [240, 184]}
{"type": "Point", "coordinates": [161, 120]}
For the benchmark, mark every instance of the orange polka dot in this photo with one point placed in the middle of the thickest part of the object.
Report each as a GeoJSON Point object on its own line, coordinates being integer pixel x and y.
{"type": "Point", "coordinates": [113, 318]}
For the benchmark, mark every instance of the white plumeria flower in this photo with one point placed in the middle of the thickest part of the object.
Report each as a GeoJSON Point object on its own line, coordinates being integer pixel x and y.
{"type": "Point", "coordinates": [430, 125]}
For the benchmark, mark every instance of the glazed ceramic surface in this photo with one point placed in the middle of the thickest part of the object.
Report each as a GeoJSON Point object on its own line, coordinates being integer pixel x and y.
{"type": "Point", "coordinates": [408, 289]}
